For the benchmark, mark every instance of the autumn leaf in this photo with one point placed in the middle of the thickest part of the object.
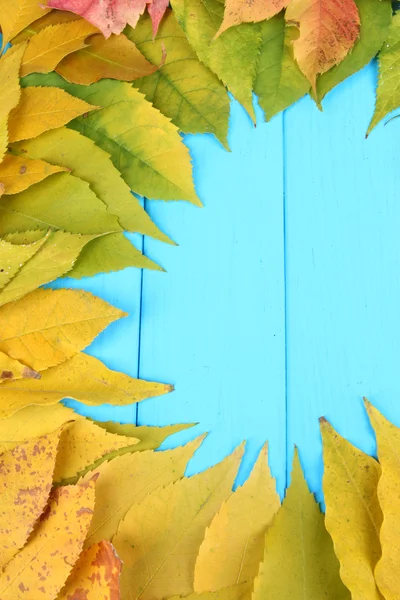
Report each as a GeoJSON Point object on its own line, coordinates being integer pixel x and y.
{"type": "Point", "coordinates": [48, 327]}
{"type": "Point", "coordinates": [43, 565]}
{"type": "Point", "coordinates": [388, 91]}
{"type": "Point", "coordinates": [15, 15]}
{"type": "Point", "coordinates": [150, 437]}
{"type": "Point", "coordinates": [233, 58]}
{"type": "Point", "coordinates": [158, 539]}
{"type": "Point", "coordinates": [83, 378]}
{"type": "Point", "coordinates": [110, 16]}
{"type": "Point", "coordinates": [18, 173]}
{"type": "Point", "coordinates": [249, 11]}
{"type": "Point", "coordinates": [388, 439]}
{"type": "Point", "coordinates": [26, 477]}
{"type": "Point", "coordinates": [54, 17]}
{"type": "Point", "coordinates": [93, 165]}
{"type": "Point", "coordinates": [375, 19]}
{"type": "Point", "coordinates": [146, 163]}
{"type": "Point", "coordinates": [13, 369]}
{"type": "Point", "coordinates": [10, 90]}
{"type": "Point", "coordinates": [46, 49]}
{"type": "Point", "coordinates": [53, 258]}
{"type": "Point", "coordinates": [157, 10]}
{"type": "Point", "coordinates": [298, 539]}
{"type": "Point", "coordinates": [96, 575]}
{"type": "Point", "coordinates": [114, 58]}
{"type": "Point", "coordinates": [235, 592]}
{"type": "Point", "coordinates": [41, 109]}
{"type": "Point", "coordinates": [279, 81]}
{"type": "Point", "coordinates": [233, 545]}
{"type": "Point", "coordinates": [182, 88]}
{"type": "Point", "coordinates": [328, 29]}
{"type": "Point", "coordinates": [52, 204]}
{"type": "Point", "coordinates": [15, 255]}
{"type": "Point", "coordinates": [128, 479]}
{"type": "Point", "coordinates": [353, 515]}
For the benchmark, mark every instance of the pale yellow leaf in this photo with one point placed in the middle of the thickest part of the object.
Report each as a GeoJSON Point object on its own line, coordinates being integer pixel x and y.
{"type": "Point", "coordinates": [47, 48]}
{"type": "Point", "coordinates": [26, 477]}
{"type": "Point", "coordinates": [11, 369]}
{"type": "Point", "coordinates": [14, 256]}
{"type": "Point", "coordinates": [18, 173]}
{"type": "Point", "coordinates": [41, 109]}
{"type": "Point", "coordinates": [83, 378]}
{"type": "Point", "coordinates": [387, 571]}
{"type": "Point", "coordinates": [47, 327]}
{"type": "Point", "coordinates": [150, 437]}
{"type": "Point", "coordinates": [128, 479]}
{"type": "Point", "coordinates": [233, 545]}
{"type": "Point", "coordinates": [44, 564]}
{"type": "Point", "coordinates": [95, 575]}
{"type": "Point", "coordinates": [353, 515]}
{"type": "Point", "coordinates": [234, 592]}
{"type": "Point", "coordinates": [15, 15]}
{"type": "Point", "coordinates": [299, 560]}
{"type": "Point", "coordinates": [159, 538]}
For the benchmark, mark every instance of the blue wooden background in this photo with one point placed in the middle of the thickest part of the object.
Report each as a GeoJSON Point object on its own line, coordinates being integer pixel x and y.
{"type": "Point", "coordinates": [282, 301]}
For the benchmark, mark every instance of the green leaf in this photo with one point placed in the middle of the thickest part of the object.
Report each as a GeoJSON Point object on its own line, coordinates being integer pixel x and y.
{"type": "Point", "coordinates": [375, 18]}
{"type": "Point", "coordinates": [59, 202]}
{"type": "Point", "coordinates": [298, 539]}
{"type": "Point", "coordinates": [279, 81]}
{"type": "Point", "coordinates": [112, 252]}
{"type": "Point", "coordinates": [183, 88]}
{"type": "Point", "coordinates": [232, 56]}
{"type": "Point", "coordinates": [388, 92]}
{"type": "Point", "coordinates": [144, 145]}
{"type": "Point", "coordinates": [54, 257]}
{"type": "Point", "coordinates": [68, 148]}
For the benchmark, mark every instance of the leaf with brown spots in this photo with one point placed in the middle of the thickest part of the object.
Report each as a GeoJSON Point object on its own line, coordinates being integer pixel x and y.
{"type": "Point", "coordinates": [328, 30]}
{"type": "Point", "coordinates": [249, 11]}
{"type": "Point", "coordinates": [42, 567]}
{"type": "Point", "coordinates": [95, 575]}
{"type": "Point", "coordinates": [26, 475]}
{"type": "Point", "coordinates": [11, 369]}
{"type": "Point", "coordinates": [17, 173]}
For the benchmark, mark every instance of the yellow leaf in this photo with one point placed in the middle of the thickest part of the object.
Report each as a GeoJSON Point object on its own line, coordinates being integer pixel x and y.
{"type": "Point", "coordinates": [299, 560]}
{"type": "Point", "coordinates": [327, 32]}
{"type": "Point", "coordinates": [233, 545]}
{"type": "Point", "coordinates": [83, 378]}
{"type": "Point", "coordinates": [43, 565]}
{"type": "Point", "coordinates": [53, 258]}
{"type": "Point", "coordinates": [26, 477]}
{"type": "Point", "coordinates": [41, 109]}
{"type": "Point", "coordinates": [95, 576]}
{"type": "Point", "coordinates": [237, 12]}
{"type": "Point", "coordinates": [47, 327]}
{"type": "Point", "coordinates": [387, 572]}
{"type": "Point", "coordinates": [10, 90]}
{"type": "Point", "coordinates": [150, 438]}
{"type": "Point", "coordinates": [15, 255]}
{"type": "Point", "coordinates": [15, 15]}
{"type": "Point", "coordinates": [234, 592]}
{"type": "Point", "coordinates": [82, 444]}
{"type": "Point", "coordinates": [18, 173]}
{"type": "Point", "coordinates": [353, 515]}
{"type": "Point", "coordinates": [115, 58]}
{"type": "Point", "coordinates": [13, 369]}
{"type": "Point", "coordinates": [159, 538]}
{"type": "Point", "coordinates": [47, 48]}
{"type": "Point", "coordinates": [128, 479]}
{"type": "Point", "coordinates": [55, 17]}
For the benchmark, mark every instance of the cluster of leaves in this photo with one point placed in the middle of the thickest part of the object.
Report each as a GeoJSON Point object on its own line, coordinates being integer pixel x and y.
{"type": "Point", "coordinates": [192, 537]}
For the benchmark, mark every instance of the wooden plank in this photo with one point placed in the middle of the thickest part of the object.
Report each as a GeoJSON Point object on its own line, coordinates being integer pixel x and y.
{"type": "Point", "coordinates": [214, 323]}
{"type": "Point", "coordinates": [343, 258]}
{"type": "Point", "coordinates": [118, 345]}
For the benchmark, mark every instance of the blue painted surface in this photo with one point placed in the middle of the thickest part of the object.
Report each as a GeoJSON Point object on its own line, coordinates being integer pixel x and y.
{"type": "Point", "coordinates": [281, 302]}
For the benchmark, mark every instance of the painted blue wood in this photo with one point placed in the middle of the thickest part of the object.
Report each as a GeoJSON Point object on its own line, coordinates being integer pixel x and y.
{"type": "Point", "coordinates": [343, 258]}
{"type": "Point", "coordinates": [214, 323]}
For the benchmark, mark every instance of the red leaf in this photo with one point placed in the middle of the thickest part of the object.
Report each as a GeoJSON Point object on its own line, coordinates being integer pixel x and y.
{"type": "Point", "coordinates": [156, 10]}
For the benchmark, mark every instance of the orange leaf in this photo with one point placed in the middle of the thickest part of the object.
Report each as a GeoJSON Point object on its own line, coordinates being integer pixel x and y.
{"type": "Point", "coordinates": [328, 31]}
{"type": "Point", "coordinates": [41, 568]}
{"type": "Point", "coordinates": [248, 11]}
{"type": "Point", "coordinates": [95, 575]}
{"type": "Point", "coordinates": [26, 476]}
{"type": "Point", "coordinates": [114, 58]}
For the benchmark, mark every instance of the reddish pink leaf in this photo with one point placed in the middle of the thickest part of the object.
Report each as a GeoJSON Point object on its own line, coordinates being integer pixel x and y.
{"type": "Point", "coordinates": [110, 16]}
{"type": "Point", "coordinates": [156, 10]}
